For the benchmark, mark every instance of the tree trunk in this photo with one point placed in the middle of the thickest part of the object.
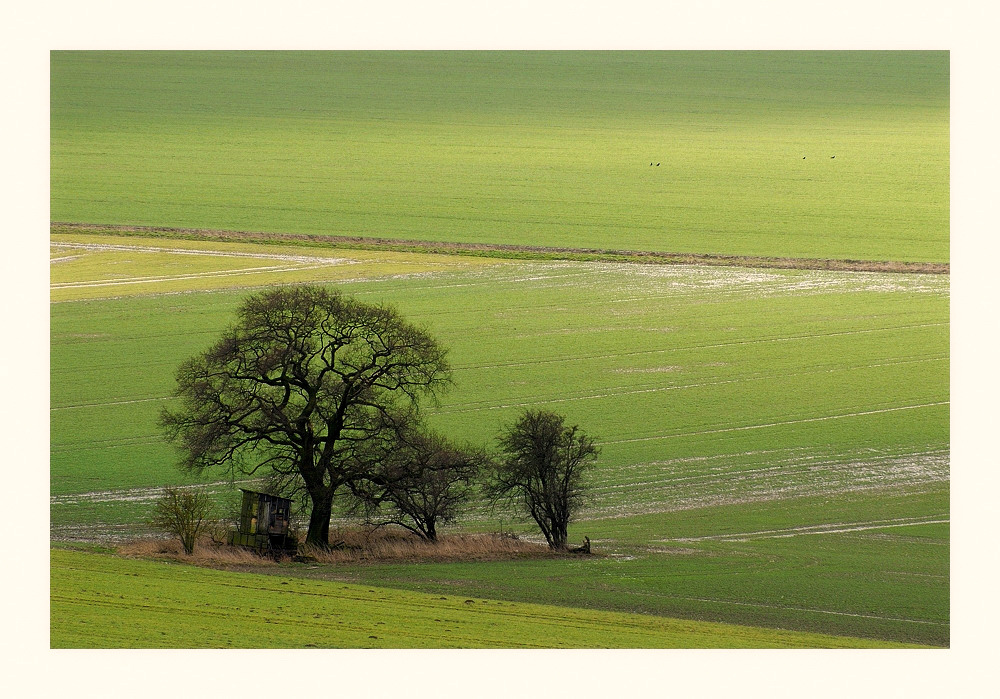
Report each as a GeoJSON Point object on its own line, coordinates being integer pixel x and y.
{"type": "Point", "coordinates": [559, 536]}
{"type": "Point", "coordinates": [319, 519]}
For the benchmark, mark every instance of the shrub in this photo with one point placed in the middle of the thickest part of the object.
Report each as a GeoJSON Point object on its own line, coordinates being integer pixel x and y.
{"type": "Point", "coordinates": [183, 512]}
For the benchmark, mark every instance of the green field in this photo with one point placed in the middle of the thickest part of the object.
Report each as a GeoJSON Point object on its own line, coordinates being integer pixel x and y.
{"type": "Point", "coordinates": [775, 443]}
{"type": "Point", "coordinates": [841, 155]}
{"type": "Point", "coordinates": [104, 602]}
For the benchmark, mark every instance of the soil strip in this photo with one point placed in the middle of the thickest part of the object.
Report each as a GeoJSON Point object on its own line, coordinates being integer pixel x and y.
{"type": "Point", "coordinates": [510, 251]}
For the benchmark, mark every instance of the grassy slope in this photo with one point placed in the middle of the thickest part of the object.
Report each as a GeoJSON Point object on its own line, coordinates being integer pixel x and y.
{"type": "Point", "coordinates": [728, 401]}
{"type": "Point", "coordinates": [716, 362]}
{"type": "Point", "coordinates": [533, 148]}
{"type": "Point", "coordinates": [888, 583]}
{"type": "Point", "coordinates": [104, 602]}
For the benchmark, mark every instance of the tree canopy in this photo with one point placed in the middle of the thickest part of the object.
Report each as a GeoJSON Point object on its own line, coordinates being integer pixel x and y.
{"type": "Point", "coordinates": [310, 385]}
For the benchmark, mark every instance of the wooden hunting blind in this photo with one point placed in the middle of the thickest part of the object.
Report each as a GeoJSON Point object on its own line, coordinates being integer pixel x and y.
{"type": "Point", "coordinates": [263, 524]}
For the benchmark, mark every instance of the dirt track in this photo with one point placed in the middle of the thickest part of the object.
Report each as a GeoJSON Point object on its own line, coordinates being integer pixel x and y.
{"type": "Point", "coordinates": [524, 251]}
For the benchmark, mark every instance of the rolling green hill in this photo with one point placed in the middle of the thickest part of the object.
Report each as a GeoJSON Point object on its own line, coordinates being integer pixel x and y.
{"type": "Point", "coordinates": [775, 441]}
{"type": "Point", "coordinates": [839, 155]}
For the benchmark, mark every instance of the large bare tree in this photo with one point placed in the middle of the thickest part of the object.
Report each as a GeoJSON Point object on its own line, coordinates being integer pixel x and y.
{"type": "Point", "coordinates": [541, 470]}
{"type": "Point", "coordinates": [309, 385]}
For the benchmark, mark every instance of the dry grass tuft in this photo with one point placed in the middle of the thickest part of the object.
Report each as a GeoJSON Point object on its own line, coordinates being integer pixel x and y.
{"type": "Point", "coordinates": [207, 552]}
{"type": "Point", "coordinates": [357, 545]}
{"type": "Point", "coordinates": [348, 545]}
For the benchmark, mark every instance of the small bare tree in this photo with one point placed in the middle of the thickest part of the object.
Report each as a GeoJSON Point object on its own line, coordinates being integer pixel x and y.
{"type": "Point", "coordinates": [183, 512]}
{"type": "Point", "coordinates": [541, 470]}
{"type": "Point", "coordinates": [424, 482]}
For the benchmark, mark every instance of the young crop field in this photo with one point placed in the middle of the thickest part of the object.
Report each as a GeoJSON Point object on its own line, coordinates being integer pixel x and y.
{"type": "Point", "coordinates": [773, 424]}
{"type": "Point", "coordinates": [775, 443]}
{"type": "Point", "coordinates": [830, 155]}
{"type": "Point", "coordinates": [107, 602]}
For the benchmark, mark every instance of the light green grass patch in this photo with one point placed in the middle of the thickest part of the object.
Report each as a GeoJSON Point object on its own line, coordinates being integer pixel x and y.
{"type": "Point", "coordinates": [99, 601]}
{"type": "Point", "coordinates": [829, 154]}
{"type": "Point", "coordinates": [93, 266]}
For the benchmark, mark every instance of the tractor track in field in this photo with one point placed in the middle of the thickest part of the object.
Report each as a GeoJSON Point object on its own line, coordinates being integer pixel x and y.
{"type": "Point", "coordinates": [182, 277]}
{"type": "Point", "coordinates": [837, 528]}
{"type": "Point", "coordinates": [298, 263]}
{"type": "Point", "coordinates": [107, 247]}
{"type": "Point", "coordinates": [516, 251]}
{"type": "Point", "coordinates": [811, 610]}
{"type": "Point", "coordinates": [777, 423]}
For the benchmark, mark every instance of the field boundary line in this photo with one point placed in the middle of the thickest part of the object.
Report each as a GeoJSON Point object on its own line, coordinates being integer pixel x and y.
{"type": "Point", "coordinates": [276, 269]}
{"type": "Point", "coordinates": [512, 251]}
{"type": "Point", "coordinates": [718, 473]}
{"type": "Point", "coordinates": [139, 494]}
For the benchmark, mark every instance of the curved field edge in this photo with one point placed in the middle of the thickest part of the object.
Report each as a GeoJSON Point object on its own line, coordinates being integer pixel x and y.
{"type": "Point", "coordinates": [103, 601]}
{"type": "Point", "coordinates": [520, 252]}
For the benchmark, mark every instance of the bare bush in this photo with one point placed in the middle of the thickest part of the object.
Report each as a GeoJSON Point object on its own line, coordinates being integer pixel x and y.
{"type": "Point", "coordinates": [355, 545]}
{"type": "Point", "coordinates": [185, 513]}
